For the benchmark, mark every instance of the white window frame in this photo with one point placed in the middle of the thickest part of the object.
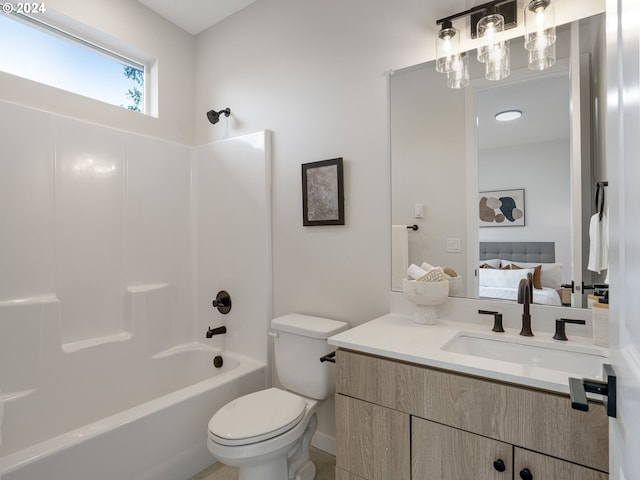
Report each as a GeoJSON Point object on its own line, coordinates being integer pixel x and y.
{"type": "Point", "coordinates": [148, 67]}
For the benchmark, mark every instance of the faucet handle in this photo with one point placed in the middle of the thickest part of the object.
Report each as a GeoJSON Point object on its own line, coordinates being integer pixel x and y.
{"type": "Point", "coordinates": [497, 320]}
{"type": "Point", "coordinates": [560, 333]}
{"type": "Point", "coordinates": [222, 302]}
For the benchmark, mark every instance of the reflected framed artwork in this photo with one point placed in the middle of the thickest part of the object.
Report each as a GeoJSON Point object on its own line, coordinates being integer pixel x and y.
{"type": "Point", "coordinates": [502, 208]}
{"type": "Point", "coordinates": [323, 193]}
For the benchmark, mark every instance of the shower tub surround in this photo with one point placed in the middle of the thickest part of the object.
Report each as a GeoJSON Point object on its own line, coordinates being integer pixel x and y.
{"type": "Point", "coordinates": [144, 420]}
{"type": "Point", "coordinates": [110, 257]}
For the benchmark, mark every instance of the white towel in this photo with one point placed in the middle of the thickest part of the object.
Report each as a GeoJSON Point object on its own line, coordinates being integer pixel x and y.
{"type": "Point", "coordinates": [399, 255]}
{"type": "Point", "coordinates": [426, 266]}
{"type": "Point", "coordinates": [599, 246]}
{"type": "Point", "coordinates": [414, 272]}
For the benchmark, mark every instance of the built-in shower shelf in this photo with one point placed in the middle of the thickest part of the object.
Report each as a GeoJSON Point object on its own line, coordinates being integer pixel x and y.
{"type": "Point", "coordinates": [16, 395]}
{"type": "Point", "coordinates": [72, 347]}
{"type": "Point", "coordinates": [28, 300]}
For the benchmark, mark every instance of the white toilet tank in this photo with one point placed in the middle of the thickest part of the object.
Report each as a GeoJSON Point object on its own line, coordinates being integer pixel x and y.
{"type": "Point", "coordinates": [299, 343]}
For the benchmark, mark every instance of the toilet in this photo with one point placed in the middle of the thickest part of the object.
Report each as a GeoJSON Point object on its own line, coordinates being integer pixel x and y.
{"type": "Point", "coordinates": [267, 434]}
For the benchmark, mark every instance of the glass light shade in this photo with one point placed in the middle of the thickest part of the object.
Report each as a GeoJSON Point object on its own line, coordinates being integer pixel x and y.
{"type": "Point", "coordinates": [489, 29]}
{"type": "Point", "coordinates": [542, 59]}
{"type": "Point", "coordinates": [447, 48]}
{"type": "Point", "coordinates": [498, 67]}
{"type": "Point", "coordinates": [458, 76]}
{"type": "Point", "coordinates": [539, 24]}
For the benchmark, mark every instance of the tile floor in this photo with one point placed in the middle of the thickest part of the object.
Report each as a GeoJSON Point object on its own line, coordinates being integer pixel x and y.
{"type": "Point", "coordinates": [325, 464]}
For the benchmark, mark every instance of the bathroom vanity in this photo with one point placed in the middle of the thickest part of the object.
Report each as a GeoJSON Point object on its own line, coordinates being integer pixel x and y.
{"type": "Point", "coordinates": [409, 408]}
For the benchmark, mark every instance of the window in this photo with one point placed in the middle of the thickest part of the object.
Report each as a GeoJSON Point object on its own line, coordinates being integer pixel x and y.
{"type": "Point", "coordinates": [46, 54]}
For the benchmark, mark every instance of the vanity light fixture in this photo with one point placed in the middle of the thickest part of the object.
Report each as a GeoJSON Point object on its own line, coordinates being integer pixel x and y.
{"type": "Point", "coordinates": [540, 34]}
{"type": "Point", "coordinates": [508, 115]}
{"type": "Point", "coordinates": [488, 23]}
{"type": "Point", "coordinates": [539, 24]}
{"type": "Point", "coordinates": [493, 50]}
{"type": "Point", "coordinates": [458, 75]}
{"type": "Point", "coordinates": [447, 47]}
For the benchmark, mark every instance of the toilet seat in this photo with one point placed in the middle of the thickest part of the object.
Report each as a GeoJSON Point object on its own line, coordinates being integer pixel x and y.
{"type": "Point", "coordinates": [256, 417]}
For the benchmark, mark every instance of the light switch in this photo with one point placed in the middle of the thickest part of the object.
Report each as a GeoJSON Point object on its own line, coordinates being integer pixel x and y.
{"type": "Point", "coordinates": [418, 210]}
{"type": "Point", "coordinates": [453, 245]}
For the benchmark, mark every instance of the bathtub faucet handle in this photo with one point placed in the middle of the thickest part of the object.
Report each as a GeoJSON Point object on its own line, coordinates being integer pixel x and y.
{"type": "Point", "coordinates": [216, 331]}
{"type": "Point", "coordinates": [222, 302]}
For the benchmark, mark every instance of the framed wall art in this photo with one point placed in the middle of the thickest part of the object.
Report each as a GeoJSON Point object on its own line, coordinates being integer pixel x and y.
{"type": "Point", "coordinates": [323, 193]}
{"type": "Point", "coordinates": [502, 208]}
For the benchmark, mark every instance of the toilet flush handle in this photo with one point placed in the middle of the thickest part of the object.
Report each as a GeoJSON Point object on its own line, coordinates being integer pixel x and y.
{"type": "Point", "coordinates": [329, 357]}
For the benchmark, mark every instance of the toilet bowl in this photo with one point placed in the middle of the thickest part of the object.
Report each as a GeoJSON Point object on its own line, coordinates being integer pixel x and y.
{"type": "Point", "coordinates": [264, 433]}
{"type": "Point", "coordinates": [267, 434]}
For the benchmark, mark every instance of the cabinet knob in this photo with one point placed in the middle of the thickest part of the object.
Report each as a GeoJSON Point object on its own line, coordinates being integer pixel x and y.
{"type": "Point", "coordinates": [525, 474]}
{"type": "Point", "coordinates": [499, 465]}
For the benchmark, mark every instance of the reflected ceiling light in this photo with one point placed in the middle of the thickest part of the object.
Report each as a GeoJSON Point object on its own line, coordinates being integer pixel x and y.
{"type": "Point", "coordinates": [508, 115]}
{"type": "Point", "coordinates": [488, 23]}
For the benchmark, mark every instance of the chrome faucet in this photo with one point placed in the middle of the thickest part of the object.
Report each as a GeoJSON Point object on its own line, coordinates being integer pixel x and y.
{"type": "Point", "coordinates": [525, 296]}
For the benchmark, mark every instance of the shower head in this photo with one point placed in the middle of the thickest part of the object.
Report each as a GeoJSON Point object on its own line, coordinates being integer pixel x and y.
{"type": "Point", "coordinates": [214, 116]}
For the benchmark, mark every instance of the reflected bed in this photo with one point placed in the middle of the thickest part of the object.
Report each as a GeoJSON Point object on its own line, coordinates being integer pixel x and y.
{"type": "Point", "coordinates": [504, 264]}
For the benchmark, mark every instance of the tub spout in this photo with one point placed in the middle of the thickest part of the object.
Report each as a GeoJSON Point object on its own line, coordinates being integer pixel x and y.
{"type": "Point", "coordinates": [216, 331]}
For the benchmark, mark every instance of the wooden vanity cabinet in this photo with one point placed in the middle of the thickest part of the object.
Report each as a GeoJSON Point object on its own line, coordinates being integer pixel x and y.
{"type": "Point", "coordinates": [446, 453]}
{"type": "Point", "coordinates": [546, 467]}
{"type": "Point", "coordinates": [375, 441]}
{"type": "Point", "coordinates": [402, 421]}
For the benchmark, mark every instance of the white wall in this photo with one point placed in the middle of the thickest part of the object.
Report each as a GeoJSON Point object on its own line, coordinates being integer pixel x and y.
{"type": "Point", "coordinates": [429, 165]}
{"type": "Point", "coordinates": [544, 172]}
{"type": "Point", "coordinates": [314, 75]}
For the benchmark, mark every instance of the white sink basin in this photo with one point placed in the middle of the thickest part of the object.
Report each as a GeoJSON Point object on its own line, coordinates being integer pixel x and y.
{"type": "Point", "coordinates": [583, 361]}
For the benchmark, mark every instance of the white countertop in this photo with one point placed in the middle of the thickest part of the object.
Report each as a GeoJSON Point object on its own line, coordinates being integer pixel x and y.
{"type": "Point", "coordinates": [396, 336]}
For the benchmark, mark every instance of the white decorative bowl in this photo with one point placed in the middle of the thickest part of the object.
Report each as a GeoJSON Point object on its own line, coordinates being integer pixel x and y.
{"type": "Point", "coordinates": [455, 286]}
{"type": "Point", "coordinates": [425, 295]}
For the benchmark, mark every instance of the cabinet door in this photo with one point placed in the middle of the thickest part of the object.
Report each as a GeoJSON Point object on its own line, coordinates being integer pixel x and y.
{"type": "Point", "coordinates": [344, 475]}
{"type": "Point", "coordinates": [439, 452]}
{"type": "Point", "coordinates": [372, 442]}
{"type": "Point", "coordinates": [542, 467]}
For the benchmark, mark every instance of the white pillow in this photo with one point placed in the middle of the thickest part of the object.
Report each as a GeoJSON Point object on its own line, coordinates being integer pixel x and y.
{"type": "Point", "coordinates": [550, 274]}
{"type": "Point", "coordinates": [494, 262]}
{"type": "Point", "coordinates": [502, 278]}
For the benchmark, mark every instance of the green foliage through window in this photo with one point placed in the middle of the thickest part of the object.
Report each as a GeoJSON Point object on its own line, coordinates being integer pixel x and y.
{"type": "Point", "coordinates": [135, 94]}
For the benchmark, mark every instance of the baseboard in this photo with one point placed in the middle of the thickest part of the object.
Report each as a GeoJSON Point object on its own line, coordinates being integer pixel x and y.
{"type": "Point", "coordinates": [324, 442]}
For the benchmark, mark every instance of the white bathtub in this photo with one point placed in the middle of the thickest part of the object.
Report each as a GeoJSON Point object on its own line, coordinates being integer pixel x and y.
{"type": "Point", "coordinates": [155, 426]}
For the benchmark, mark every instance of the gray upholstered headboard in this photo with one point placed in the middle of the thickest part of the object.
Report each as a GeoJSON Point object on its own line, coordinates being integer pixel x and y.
{"type": "Point", "coordinates": [530, 252]}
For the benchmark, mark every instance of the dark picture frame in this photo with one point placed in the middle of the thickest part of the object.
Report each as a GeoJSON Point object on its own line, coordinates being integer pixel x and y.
{"type": "Point", "coordinates": [323, 193]}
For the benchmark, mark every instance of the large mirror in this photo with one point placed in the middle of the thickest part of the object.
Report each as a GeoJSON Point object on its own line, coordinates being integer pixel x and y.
{"type": "Point", "coordinates": [449, 155]}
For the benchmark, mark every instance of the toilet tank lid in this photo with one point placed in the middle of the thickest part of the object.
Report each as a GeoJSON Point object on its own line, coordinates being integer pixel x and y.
{"type": "Point", "coordinates": [308, 325]}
